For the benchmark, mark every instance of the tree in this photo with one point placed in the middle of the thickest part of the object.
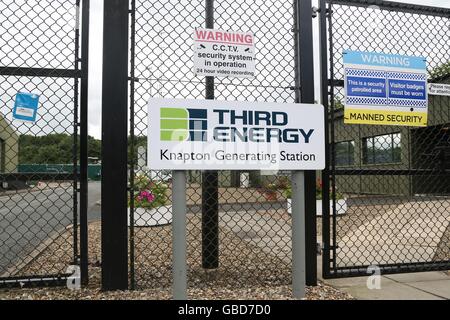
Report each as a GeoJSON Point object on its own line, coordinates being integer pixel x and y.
{"type": "Point", "coordinates": [53, 149]}
{"type": "Point", "coordinates": [441, 72]}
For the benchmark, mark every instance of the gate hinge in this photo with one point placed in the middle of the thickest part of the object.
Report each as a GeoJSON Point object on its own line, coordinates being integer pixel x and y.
{"type": "Point", "coordinates": [315, 12]}
{"type": "Point", "coordinates": [319, 249]}
{"type": "Point", "coordinates": [324, 247]}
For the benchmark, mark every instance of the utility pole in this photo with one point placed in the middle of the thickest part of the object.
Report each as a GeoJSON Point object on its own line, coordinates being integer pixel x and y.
{"type": "Point", "coordinates": [210, 184]}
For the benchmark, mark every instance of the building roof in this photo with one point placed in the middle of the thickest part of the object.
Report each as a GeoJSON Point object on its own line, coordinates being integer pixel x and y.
{"type": "Point", "coordinates": [6, 127]}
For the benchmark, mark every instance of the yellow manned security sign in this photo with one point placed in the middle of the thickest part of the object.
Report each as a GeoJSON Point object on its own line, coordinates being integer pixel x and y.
{"type": "Point", "coordinates": [385, 89]}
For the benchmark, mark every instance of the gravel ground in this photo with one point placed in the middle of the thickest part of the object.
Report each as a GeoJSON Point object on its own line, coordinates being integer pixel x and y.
{"type": "Point", "coordinates": [252, 293]}
{"type": "Point", "coordinates": [246, 271]}
{"type": "Point", "coordinates": [443, 251]}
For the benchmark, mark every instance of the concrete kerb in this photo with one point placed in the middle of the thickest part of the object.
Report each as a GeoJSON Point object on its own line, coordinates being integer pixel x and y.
{"type": "Point", "coordinates": [23, 263]}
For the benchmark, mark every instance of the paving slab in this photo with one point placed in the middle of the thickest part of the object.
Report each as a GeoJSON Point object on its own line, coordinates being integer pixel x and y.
{"type": "Point", "coordinates": [356, 282]}
{"type": "Point", "coordinates": [391, 291]}
{"type": "Point", "coordinates": [377, 254]}
{"type": "Point", "coordinates": [408, 286]}
{"type": "Point", "coordinates": [409, 233]}
{"type": "Point", "coordinates": [439, 288]}
{"type": "Point", "coordinates": [419, 277]}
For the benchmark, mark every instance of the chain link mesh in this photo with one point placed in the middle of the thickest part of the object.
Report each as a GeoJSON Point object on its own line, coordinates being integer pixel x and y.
{"type": "Point", "coordinates": [38, 51]}
{"type": "Point", "coordinates": [391, 182]}
{"type": "Point", "coordinates": [254, 225]}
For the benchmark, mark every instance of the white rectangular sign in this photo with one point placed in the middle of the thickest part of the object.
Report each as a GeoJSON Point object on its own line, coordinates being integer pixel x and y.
{"type": "Point", "coordinates": [220, 53]}
{"type": "Point", "coordinates": [233, 135]}
{"type": "Point", "coordinates": [439, 89]}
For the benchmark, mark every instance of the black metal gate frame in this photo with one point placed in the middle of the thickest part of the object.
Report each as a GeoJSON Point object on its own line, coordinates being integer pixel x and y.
{"type": "Point", "coordinates": [80, 179]}
{"type": "Point", "coordinates": [328, 85]}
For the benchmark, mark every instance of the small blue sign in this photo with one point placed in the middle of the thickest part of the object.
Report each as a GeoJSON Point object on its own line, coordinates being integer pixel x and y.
{"type": "Point", "coordinates": [366, 87]}
{"type": "Point", "coordinates": [405, 89]}
{"type": "Point", "coordinates": [26, 107]}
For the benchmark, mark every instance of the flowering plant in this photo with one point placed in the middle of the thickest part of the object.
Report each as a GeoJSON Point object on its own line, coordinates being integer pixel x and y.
{"type": "Point", "coordinates": [149, 194]}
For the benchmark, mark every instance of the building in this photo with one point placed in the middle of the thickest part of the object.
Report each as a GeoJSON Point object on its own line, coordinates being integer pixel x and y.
{"type": "Point", "coordinates": [365, 147]}
{"type": "Point", "coordinates": [9, 148]}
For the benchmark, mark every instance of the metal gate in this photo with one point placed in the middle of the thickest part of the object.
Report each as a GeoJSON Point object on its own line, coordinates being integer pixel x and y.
{"type": "Point", "coordinates": [43, 51]}
{"type": "Point", "coordinates": [389, 186]}
{"type": "Point", "coordinates": [248, 239]}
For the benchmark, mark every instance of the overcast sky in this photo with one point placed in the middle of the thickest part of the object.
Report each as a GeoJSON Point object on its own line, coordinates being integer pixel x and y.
{"type": "Point", "coordinates": [96, 59]}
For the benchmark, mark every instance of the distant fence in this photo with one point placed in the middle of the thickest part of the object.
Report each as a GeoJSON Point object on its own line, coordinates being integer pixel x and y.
{"type": "Point", "coordinates": [94, 170]}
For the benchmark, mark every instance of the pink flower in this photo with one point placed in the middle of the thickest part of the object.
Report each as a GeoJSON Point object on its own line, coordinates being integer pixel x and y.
{"type": "Point", "coordinates": [145, 195]}
{"type": "Point", "coordinates": [151, 198]}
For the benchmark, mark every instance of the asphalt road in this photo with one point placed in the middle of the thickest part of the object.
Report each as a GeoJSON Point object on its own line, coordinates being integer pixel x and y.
{"type": "Point", "coordinates": [29, 218]}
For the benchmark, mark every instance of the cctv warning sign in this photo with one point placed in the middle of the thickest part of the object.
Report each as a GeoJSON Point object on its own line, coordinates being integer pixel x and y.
{"type": "Point", "coordinates": [224, 53]}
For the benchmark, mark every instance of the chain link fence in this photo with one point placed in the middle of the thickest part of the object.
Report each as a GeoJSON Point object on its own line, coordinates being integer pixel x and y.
{"type": "Point", "coordinates": [39, 54]}
{"type": "Point", "coordinates": [253, 220]}
{"type": "Point", "coordinates": [390, 184]}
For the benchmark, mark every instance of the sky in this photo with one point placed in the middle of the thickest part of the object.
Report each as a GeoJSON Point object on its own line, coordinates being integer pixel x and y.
{"type": "Point", "coordinates": [95, 67]}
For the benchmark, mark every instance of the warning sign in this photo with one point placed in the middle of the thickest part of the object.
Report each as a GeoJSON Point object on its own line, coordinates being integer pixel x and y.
{"type": "Point", "coordinates": [224, 53]}
{"type": "Point", "coordinates": [439, 89]}
{"type": "Point", "coordinates": [385, 89]}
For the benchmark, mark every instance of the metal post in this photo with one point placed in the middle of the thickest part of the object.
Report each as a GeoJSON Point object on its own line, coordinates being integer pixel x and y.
{"type": "Point", "coordinates": [84, 143]}
{"type": "Point", "coordinates": [132, 146]}
{"type": "Point", "coordinates": [210, 185]}
{"type": "Point", "coordinates": [179, 236]}
{"type": "Point", "coordinates": [75, 144]}
{"type": "Point", "coordinates": [298, 234]}
{"type": "Point", "coordinates": [306, 94]}
{"type": "Point", "coordinates": [326, 172]}
{"type": "Point", "coordinates": [114, 146]}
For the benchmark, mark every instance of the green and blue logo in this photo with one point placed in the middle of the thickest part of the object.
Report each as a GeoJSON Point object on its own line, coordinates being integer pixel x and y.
{"type": "Point", "coordinates": [184, 124]}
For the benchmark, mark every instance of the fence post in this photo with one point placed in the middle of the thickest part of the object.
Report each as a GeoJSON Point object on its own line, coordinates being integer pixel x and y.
{"type": "Point", "coordinates": [114, 146]}
{"type": "Point", "coordinates": [210, 184]}
{"type": "Point", "coordinates": [298, 234]}
{"type": "Point", "coordinates": [84, 144]}
{"type": "Point", "coordinates": [179, 236]}
{"type": "Point", "coordinates": [305, 93]}
{"type": "Point", "coordinates": [326, 172]}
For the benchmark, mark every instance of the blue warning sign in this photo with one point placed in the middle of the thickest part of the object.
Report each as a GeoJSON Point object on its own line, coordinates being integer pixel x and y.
{"type": "Point", "coordinates": [379, 87]}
